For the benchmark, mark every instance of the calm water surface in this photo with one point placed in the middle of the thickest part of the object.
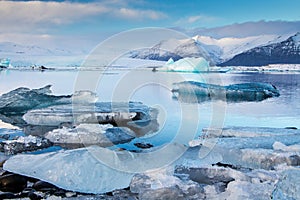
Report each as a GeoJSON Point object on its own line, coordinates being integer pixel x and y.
{"type": "Point", "coordinates": [178, 121]}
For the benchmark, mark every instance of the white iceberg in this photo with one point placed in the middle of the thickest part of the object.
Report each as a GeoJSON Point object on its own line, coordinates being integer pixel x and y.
{"type": "Point", "coordinates": [186, 65]}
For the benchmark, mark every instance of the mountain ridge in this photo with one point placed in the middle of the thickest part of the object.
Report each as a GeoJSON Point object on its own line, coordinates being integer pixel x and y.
{"type": "Point", "coordinates": [283, 52]}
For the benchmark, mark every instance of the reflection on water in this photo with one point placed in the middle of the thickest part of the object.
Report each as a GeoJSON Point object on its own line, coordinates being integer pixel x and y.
{"type": "Point", "coordinates": [282, 111]}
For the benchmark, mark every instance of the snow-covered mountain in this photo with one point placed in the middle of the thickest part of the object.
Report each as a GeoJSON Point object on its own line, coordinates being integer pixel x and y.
{"type": "Point", "coordinates": [221, 44]}
{"type": "Point", "coordinates": [215, 50]}
{"type": "Point", "coordinates": [277, 52]}
{"type": "Point", "coordinates": [13, 48]}
{"type": "Point", "coordinates": [246, 49]}
{"type": "Point", "coordinates": [26, 55]}
{"type": "Point", "coordinates": [225, 48]}
{"type": "Point", "coordinates": [172, 48]}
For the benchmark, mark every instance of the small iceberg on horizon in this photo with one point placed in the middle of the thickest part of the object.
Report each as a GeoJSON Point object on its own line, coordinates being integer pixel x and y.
{"type": "Point", "coordinates": [187, 65]}
{"type": "Point", "coordinates": [4, 63]}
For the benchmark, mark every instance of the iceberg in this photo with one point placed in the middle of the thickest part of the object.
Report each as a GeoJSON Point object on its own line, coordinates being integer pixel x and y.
{"type": "Point", "coordinates": [14, 104]}
{"type": "Point", "coordinates": [134, 115]}
{"type": "Point", "coordinates": [197, 92]}
{"type": "Point", "coordinates": [90, 134]}
{"type": "Point", "coordinates": [4, 63]}
{"type": "Point", "coordinates": [38, 110]}
{"type": "Point", "coordinates": [186, 65]}
{"type": "Point", "coordinates": [20, 100]}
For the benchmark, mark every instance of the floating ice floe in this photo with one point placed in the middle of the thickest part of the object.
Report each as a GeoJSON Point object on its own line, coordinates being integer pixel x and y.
{"type": "Point", "coordinates": [90, 134]}
{"type": "Point", "coordinates": [186, 65]}
{"type": "Point", "coordinates": [17, 102]}
{"type": "Point", "coordinates": [23, 99]}
{"type": "Point", "coordinates": [42, 109]}
{"type": "Point", "coordinates": [137, 116]}
{"type": "Point", "coordinates": [196, 92]}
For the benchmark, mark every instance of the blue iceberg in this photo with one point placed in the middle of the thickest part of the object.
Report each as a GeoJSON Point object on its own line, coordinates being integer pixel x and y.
{"type": "Point", "coordinates": [22, 99]}
{"type": "Point", "coordinates": [196, 92]}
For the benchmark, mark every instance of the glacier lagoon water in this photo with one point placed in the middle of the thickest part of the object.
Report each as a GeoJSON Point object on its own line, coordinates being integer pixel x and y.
{"type": "Point", "coordinates": [154, 89]}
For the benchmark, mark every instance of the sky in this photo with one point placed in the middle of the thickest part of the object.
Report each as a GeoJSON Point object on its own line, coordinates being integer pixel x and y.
{"type": "Point", "coordinates": [91, 21]}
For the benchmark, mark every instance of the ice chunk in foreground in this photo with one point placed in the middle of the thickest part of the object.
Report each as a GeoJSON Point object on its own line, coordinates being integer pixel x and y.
{"type": "Point", "coordinates": [24, 143]}
{"type": "Point", "coordinates": [162, 184]}
{"type": "Point", "coordinates": [75, 170]}
{"type": "Point", "coordinates": [186, 65]}
{"type": "Point", "coordinates": [254, 147]}
{"type": "Point", "coordinates": [247, 190]}
{"type": "Point", "coordinates": [89, 134]}
{"type": "Point", "coordinates": [93, 169]}
{"type": "Point", "coordinates": [288, 187]}
{"type": "Point", "coordinates": [195, 92]}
